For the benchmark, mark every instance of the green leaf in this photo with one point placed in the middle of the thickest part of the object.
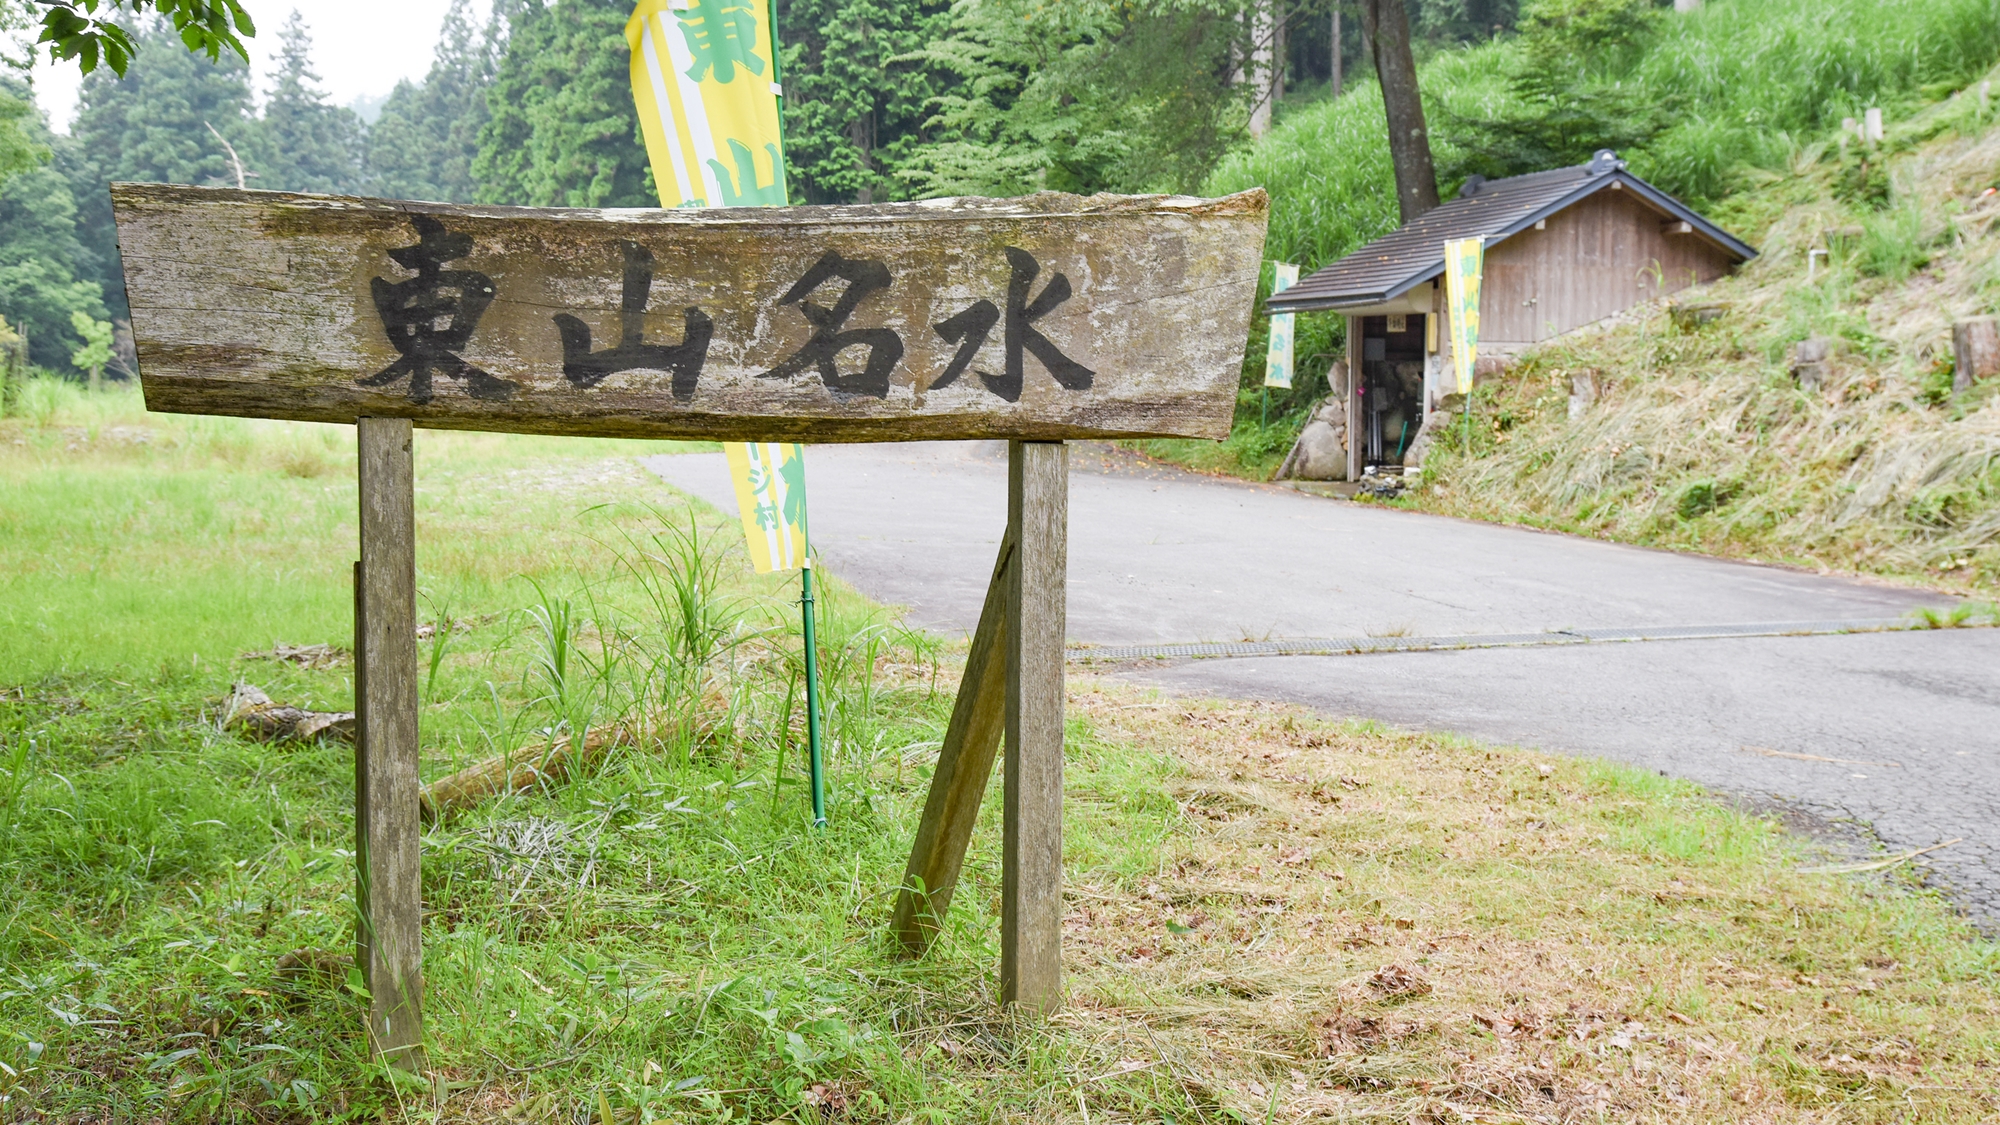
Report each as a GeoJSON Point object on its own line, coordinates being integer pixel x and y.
{"type": "Point", "coordinates": [358, 985]}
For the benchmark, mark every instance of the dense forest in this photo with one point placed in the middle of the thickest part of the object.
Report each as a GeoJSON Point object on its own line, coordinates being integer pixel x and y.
{"type": "Point", "coordinates": [528, 102]}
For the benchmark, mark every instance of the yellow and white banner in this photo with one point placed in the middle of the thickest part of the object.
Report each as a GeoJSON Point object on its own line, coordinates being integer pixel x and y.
{"type": "Point", "coordinates": [770, 479]}
{"type": "Point", "coordinates": [705, 77]}
{"type": "Point", "coordinates": [1278, 357]}
{"type": "Point", "coordinates": [1463, 260]}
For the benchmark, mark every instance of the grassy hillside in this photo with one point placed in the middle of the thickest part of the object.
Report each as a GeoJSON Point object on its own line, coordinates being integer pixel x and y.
{"type": "Point", "coordinates": [1703, 440]}
{"type": "Point", "coordinates": [1741, 91]}
{"type": "Point", "coordinates": [1751, 83]}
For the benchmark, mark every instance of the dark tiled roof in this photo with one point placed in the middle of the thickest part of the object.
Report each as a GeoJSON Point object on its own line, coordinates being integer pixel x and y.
{"type": "Point", "coordinates": [1413, 254]}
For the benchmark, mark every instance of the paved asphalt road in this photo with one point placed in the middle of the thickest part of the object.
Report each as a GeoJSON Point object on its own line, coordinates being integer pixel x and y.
{"type": "Point", "coordinates": [1910, 719]}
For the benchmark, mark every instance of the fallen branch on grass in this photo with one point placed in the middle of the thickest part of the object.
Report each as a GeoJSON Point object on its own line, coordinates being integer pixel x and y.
{"type": "Point", "coordinates": [304, 656]}
{"type": "Point", "coordinates": [1880, 864]}
{"type": "Point", "coordinates": [1769, 753]}
{"type": "Point", "coordinates": [516, 772]}
{"type": "Point", "coordinates": [249, 711]}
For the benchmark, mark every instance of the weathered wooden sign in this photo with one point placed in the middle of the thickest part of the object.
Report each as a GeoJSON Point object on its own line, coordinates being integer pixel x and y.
{"type": "Point", "coordinates": [1048, 317]}
{"type": "Point", "coordinates": [1036, 319]}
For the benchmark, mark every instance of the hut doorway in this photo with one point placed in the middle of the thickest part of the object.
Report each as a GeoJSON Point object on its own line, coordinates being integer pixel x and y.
{"type": "Point", "coordinates": [1390, 392]}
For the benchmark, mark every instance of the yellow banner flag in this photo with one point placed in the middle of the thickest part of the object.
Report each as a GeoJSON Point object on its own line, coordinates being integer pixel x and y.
{"type": "Point", "coordinates": [1278, 357]}
{"type": "Point", "coordinates": [1463, 261]}
{"type": "Point", "coordinates": [770, 480]}
{"type": "Point", "coordinates": [705, 78]}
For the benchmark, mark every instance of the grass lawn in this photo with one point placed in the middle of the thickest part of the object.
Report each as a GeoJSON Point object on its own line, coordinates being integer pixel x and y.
{"type": "Point", "coordinates": [1271, 915]}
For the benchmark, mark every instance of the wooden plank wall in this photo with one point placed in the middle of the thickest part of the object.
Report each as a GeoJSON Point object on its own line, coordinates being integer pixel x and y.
{"type": "Point", "coordinates": [1595, 259]}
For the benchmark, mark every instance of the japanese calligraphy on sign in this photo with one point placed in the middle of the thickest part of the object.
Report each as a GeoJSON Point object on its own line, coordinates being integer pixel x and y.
{"type": "Point", "coordinates": [704, 84]}
{"type": "Point", "coordinates": [721, 35]}
{"type": "Point", "coordinates": [432, 315]}
{"type": "Point", "coordinates": [1047, 317]}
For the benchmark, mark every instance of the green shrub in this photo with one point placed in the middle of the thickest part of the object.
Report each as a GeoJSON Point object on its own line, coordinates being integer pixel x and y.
{"type": "Point", "coordinates": [1327, 166]}
{"type": "Point", "coordinates": [1569, 97]}
{"type": "Point", "coordinates": [44, 395]}
{"type": "Point", "coordinates": [1701, 497]}
{"type": "Point", "coordinates": [1934, 386]}
{"type": "Point", "coordinates": [1896, 242]}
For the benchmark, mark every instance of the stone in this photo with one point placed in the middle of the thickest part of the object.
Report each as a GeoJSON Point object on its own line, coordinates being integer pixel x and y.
{"type": "Point", "coordinates": [1320, 453]}
{"type": "Point", "coordinates": [1583, 391]}
{"type": "Point", "coordinates": [1436, 422]}
{"type": "Point", "coordinates": [1975, 346]}
{"type": "Point", "coordinates": [1809, 361]}
{"type": "Point", "coordinates": [1693, 316]}
{"type": "Point", "coordinates": [1382, 486]}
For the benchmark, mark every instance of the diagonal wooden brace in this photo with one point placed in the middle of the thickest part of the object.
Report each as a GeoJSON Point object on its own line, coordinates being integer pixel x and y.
{"type": "Point", "coordinates": [965, 763]}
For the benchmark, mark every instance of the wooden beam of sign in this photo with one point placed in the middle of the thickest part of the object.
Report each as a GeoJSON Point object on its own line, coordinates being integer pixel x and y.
{"type": "Point", "coordinates": [1053, 316]}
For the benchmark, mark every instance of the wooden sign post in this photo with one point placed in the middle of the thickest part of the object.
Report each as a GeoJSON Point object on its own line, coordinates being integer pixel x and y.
{"type": "Point", "coordinates": [1036, 320]}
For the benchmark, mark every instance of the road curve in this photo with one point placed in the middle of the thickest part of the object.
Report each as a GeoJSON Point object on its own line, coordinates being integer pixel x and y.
{"type": "Point", "coordinates": [1897, 731]}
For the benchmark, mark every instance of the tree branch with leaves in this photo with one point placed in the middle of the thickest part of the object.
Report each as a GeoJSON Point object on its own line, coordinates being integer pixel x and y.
{"type": "Point", "coordinates": [96, 352]}
{"type": "Point", "coordinates": [85, 31]}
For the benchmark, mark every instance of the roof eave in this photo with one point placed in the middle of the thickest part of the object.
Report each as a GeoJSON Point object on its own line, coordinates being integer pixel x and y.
{"type": "Point", "coordinates": [1590, 186]}
{"type": "Point", "coordinates": [1730, 243]}
{"type": "Point", "coordinates": [1688, 215]}
{"type": "Point", "coordinates": [1279, 304]}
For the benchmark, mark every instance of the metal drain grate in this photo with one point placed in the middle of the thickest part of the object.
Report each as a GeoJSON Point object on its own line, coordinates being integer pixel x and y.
{"type": "Point", "coordinates": [1362, 646]}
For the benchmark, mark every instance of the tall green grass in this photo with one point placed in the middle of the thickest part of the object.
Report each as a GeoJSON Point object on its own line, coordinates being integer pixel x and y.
{"type": "Point", "coordinates": [127, 536]}
{"type": "Point", "coordinates": [665, 938]}
{"type": "Point", "coordinates": [1327, 168]}
{"type": "Point", "coordinates": [1752, 81]}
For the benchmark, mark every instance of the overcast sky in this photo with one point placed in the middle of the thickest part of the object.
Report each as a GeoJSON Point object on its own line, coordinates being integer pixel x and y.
{"type": "Point", "coordinates": [360, 48]}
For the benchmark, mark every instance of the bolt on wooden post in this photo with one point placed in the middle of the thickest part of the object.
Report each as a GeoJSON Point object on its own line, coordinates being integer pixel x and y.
{"type": "Point", "coordinates": [1035, 320]}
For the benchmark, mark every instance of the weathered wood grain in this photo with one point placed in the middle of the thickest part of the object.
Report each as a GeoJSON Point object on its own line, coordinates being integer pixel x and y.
{"type": "Point", "coordinates": [1975, 349]}
{"type": "Point", "coordinates": [1031, 842]}
{"type": "Point", "coordinates": [965, 765]}
{"type": "Point", "coordinates": [1595, 259]}
{"type": "Point", "coordinates": [592, 322]}
{"type": "Point", "coordinates": [390, 889]}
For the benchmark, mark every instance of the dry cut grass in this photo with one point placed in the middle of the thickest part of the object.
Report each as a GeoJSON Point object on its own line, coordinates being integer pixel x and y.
{"type": "Point", "coordinates": [1365, 925]}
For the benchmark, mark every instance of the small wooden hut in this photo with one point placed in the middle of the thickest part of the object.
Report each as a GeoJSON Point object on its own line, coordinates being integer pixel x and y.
{"type": "Point", "coordinates": [1564, 249]}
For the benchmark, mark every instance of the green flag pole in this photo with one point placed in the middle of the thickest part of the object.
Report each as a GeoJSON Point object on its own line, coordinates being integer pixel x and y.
{"type": "Point", "coordinates": [812, 697]}
{"type": "Point", "coordinates": [1468, 425]}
